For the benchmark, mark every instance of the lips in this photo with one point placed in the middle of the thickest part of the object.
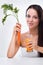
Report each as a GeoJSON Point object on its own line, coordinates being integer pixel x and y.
{"type": "Point", "coordinates": [31, 24]}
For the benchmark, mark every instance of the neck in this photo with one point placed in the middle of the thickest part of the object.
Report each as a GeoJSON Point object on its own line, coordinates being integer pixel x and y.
{"type": "Point", "coordinates": [34, 32]}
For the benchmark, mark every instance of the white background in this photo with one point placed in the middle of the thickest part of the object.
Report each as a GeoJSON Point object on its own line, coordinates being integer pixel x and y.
{"type": "Point", "coordinates": [7, 29]}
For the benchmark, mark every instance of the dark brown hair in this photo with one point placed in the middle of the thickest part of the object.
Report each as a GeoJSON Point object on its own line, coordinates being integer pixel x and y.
{"type": "Point", "coordinates": [40, 26]}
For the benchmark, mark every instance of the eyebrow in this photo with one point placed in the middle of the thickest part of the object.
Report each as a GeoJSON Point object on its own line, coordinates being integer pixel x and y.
{"type": "Point", "coordinates": [30, 15]}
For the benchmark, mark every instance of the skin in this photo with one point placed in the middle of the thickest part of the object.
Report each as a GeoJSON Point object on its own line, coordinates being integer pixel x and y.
{"type": "Point", "coordinates": [32, 22]}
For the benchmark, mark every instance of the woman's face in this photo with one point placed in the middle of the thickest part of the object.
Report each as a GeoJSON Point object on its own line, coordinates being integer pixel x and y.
{"type": "Point", "coordinates": [32, 18]}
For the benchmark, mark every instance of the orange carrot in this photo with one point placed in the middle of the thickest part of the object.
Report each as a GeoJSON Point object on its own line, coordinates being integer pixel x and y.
{"type": "Point", "coordinates": [18, 38]}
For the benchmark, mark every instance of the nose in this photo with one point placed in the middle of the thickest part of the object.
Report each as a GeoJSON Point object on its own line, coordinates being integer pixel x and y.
{"type": "Point", "coordinates": [31, 19]}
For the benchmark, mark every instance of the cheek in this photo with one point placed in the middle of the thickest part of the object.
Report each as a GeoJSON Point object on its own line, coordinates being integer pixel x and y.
{"type": "Point", "coordinates": [27, 20]}
{"type": "Point", "coordinates": [36, 22]}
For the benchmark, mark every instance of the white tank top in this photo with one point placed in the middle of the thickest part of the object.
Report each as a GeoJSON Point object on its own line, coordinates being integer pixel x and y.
{"type": "Point", "coordinates": [34, 53]}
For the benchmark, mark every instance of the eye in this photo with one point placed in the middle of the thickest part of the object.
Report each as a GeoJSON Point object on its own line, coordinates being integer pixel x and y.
{"type": "Point", "coordinates": [28, 16]}
{"type": "Point", "coordinates": [35, 17]}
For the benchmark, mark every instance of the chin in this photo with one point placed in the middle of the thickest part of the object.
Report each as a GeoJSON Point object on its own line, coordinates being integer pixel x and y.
{"type": "Point", "coordinates": [31, 27]}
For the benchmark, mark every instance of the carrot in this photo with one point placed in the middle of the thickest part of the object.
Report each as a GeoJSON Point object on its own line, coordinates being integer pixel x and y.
{"type": "Point", "coordinates": [18, 38]}
{"type": "Point", "coordinates": [15, 11]}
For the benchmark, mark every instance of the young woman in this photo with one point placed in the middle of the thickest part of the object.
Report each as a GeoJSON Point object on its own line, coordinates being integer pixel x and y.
{"type": "Point", "coordinates": [34, 19]}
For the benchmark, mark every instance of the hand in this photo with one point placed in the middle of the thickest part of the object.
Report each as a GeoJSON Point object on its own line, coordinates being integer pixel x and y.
{"type": "Point", "coordinates": [17, 28]}
{"type": "Point", "coordinates": [29, 47]}
{"type": "Point", "coordinates": [27, 43]}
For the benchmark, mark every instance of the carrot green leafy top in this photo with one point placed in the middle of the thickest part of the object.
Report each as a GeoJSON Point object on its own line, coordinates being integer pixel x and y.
{"type": "Point", "coordinates": [10, 7]}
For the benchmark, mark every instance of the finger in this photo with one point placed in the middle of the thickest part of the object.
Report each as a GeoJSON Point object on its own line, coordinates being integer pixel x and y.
{"type": "Point", "coordinates": [29, 46]}
{"type": "Point", "coordinates": [18, 30]}
{"type": "Point", "coordinates": [18, 25]}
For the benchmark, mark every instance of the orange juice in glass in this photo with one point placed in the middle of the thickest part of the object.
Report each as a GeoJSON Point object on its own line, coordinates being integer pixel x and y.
{"type": "Point", "coordinates": [28, 41]}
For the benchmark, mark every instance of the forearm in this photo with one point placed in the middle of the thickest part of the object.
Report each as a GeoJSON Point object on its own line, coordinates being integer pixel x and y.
{"type": "Point", "coordinates": [12, 47]}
